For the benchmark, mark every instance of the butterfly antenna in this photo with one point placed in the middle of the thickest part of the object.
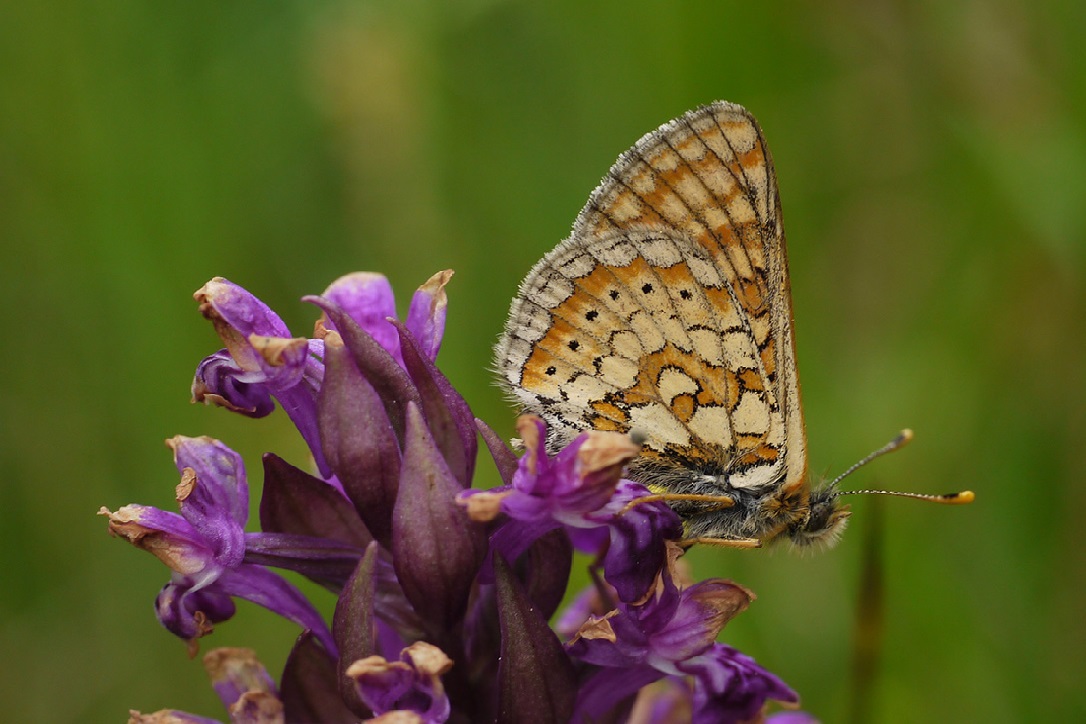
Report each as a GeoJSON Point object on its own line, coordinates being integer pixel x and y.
{"type": "Point", "coordinates": [898, 442]}
{"type": "Point", "coordinates": [903, 437]}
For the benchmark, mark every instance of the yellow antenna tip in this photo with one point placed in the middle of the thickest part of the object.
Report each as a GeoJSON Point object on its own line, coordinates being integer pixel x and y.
{"type": "Point", "coordinates": [966, 496]}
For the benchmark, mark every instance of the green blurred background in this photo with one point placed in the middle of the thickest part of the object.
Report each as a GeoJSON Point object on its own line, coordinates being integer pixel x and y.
{"type": "Point", "coordinates": [932, 163]}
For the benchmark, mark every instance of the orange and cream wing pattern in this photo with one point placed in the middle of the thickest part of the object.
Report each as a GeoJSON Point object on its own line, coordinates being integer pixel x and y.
{"type": "Point", "coordinates": [668, 311]}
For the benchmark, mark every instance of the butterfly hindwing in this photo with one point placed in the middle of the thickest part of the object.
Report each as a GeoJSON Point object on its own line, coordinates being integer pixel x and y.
{"type": "Point", "coordinates": [667, 311]}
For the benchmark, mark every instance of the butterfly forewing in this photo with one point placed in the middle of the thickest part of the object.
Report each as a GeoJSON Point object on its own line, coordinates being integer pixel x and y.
{"type": "Point", "coordinates": [667, 311]}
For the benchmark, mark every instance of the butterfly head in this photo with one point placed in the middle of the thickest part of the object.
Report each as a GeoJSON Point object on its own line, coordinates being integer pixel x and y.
{"type": "Point", "coordinates": [824, 523]}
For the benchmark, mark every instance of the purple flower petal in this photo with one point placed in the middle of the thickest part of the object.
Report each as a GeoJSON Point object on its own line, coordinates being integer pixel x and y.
{"type": "Point", "coordinates": [612, 640]}
{"type": "Point", "coordinates": [219, 381]}
{"type": "Point", "coordinates": [368, 299]}
{"type": "Point", "coordinates": [189, 612]}
{"type": "Point", "coordinates": [237, 314]}
{"type": "Point", "coordinates": [636, 551]}
{"type": "Point", "coordinates": [189, 605]}
{"type": "Point", "coordinates": [511, 540]}
{"type": "Point", "coordinates": [426, 317]}
{"type": "Point", "coordinates": [670, 625]}
{"type": "Point", "coordinates": [437, 549]}
{"type": "Point", "coordinates": [673, 631]}
{"type": "Point", "coordinates": [255, 336]}
{"type": "Point", "coordinates": [325, 561]}
{"type": "Point", "coordinates": [447, 414]}
{"type": "Point", "coordinates": [411, 684]}
{"type": "Point", "coordinates": [523, 509]}
{"type": "Point", "coordinates": [580, 488]}
{"type": "Point", "coordinates": [213, 494]}
{"type": "Point", "coordinates": [267, 589]}
{"type": "Point", "coordinates": [167, 536]}
{"type": "Point", "coordinates": [377, 365]}
{"type": "Point", "coordinates": [169, 716]}
{"type": "Point", "coordinates": [544, 568]}
{"type": "Point", "coordinates": [702, 612]}
{"type": "Point", "coordinates": [609, 691]}
{"type": "Point", "coordinates": [535, 674]}
{"type": "Point", "coordinates": [358, 440]}
{"type": "Point", "coordinates": [295, 502]}
{"type": "Point", "coordinates": [309, 687]}
{"type": "Point", "coordinates": [235, 672]}
{"type": "Point", "coordinates": [731, 686]}
{"type": "Point", "coordinates": [566, 488]}
{"type": "Point", "coordinates": [355, 627]}
{"type": "Point", "coordinates": [206, 547]}
{"type": "Point", "coordinates": [504, 458]}
{"type": "Point", "coordinates": [265, 354]}
{"type": "Point", "coordinates": [579, 480]}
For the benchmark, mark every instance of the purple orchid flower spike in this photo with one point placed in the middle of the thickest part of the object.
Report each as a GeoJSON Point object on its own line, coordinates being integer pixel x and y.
{"type": "Point", "coordinates": [205, 547]}
{"type": "Point", "coordinates": [438, 617]}
{"type": "Point", "coordinates": [673, 633]}
{"type": "Point", "coordinates": [580, 490]}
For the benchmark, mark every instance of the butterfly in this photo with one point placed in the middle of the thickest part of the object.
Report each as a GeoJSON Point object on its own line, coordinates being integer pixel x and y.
{"type": "Point", "coordinates": [667, 314]}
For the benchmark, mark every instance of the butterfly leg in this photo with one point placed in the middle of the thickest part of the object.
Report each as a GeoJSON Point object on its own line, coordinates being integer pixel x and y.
{"type": "Point", "coordinates": [687, 543]}
{"type": "Point", "coordinates": [718, 502]}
